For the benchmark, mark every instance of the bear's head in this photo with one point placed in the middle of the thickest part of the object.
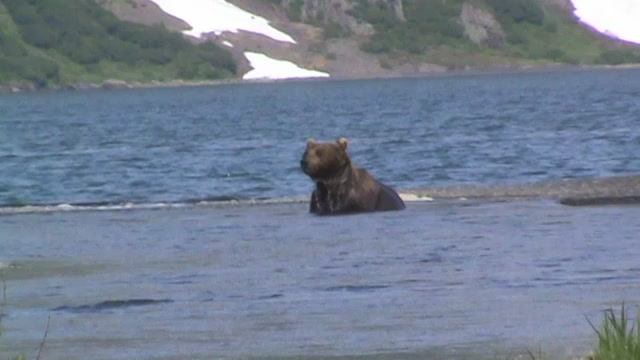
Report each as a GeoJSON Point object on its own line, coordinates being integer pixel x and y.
{"type": "Point", "coordinates": [325, 161]}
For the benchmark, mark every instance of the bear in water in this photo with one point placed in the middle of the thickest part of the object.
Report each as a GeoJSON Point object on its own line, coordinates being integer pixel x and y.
{"type": "Point", "coordinates": [342, 188]}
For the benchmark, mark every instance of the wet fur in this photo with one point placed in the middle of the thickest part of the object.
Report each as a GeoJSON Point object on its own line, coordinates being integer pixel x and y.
{"type": "Point", "coordinates": [342, 188]}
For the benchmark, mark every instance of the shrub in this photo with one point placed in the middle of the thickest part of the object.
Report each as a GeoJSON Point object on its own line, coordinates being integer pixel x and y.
{"type": "Point", "coordinates": [37, 70]}
{"type": "Point", "coordinates": [618, 57]}
{"type": "Point", "coordinates": [11, 46]}
{"type": "Point", "coordinates": [518, 10]}
{"type": "Point", "coordinates": [333, 30]}
{"type": "Point", "coordinates": [87, 34]}
{"type": "Point", "coordinates": [428, 23]}
{"type": "Point", "coordinates": [294, 10]}
{"type": "Point", "coordinates": [551, 27]}
{"type": "Point", "coordinates": [375, 45]}
{"type": "Point", "coordinates": [555, 54]}
{"type": "Point", "coordinates": [516, 38]}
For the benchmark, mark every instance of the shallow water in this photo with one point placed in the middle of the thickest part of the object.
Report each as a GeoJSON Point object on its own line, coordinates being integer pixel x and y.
{"type": "Point", "coordinates": [445, 278]}
{"type": "Point", "coordinates": [172, 223]}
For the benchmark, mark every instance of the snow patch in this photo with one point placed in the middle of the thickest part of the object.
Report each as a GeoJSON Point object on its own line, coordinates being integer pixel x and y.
{"type": "Point", "coordinates": [265, 67]}
{"type": "Point", "coordinates": [616, 18]}
{"type": "Point", "coordinates": [218, 16]}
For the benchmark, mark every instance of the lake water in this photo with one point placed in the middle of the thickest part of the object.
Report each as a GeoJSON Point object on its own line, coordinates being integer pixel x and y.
{"type": "Point", "coordinates": [172, 223]}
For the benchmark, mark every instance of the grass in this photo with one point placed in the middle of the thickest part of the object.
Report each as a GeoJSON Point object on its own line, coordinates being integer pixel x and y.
{"type": "Point", "coordinates": [618, 337]}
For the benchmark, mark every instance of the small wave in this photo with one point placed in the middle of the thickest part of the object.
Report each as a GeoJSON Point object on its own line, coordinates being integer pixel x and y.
{"type": "Point", "coordinates": [356, 288]}
{"type": "Point", "coordinates": [576, 192]}
{"type": "Point", "coordinates": [271, 296]}
{"type": "Point", "coordinates": [187, 203]}
{"type": "Point", "coordinates": [111, 305]}
{"type": "Point", "coordinates": [121, 206]}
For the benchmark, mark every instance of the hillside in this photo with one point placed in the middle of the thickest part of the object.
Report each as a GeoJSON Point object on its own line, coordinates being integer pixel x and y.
{"type": "Point", "coordinates": [51, 43]}
{"type": "Point", "coordinates": [373, 38]}
{"type": "Point", "coordinates": [406, 37]}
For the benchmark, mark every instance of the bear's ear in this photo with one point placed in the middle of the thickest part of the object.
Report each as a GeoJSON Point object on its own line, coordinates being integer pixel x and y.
{"type": "Point", "coordinates": [342, 142]}
{"type": "Point", "coordinates": [311, 142]}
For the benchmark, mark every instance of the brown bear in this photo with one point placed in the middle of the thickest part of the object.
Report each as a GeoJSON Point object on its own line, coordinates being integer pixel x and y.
{"type": "Point", "coordinates": [342, 188]}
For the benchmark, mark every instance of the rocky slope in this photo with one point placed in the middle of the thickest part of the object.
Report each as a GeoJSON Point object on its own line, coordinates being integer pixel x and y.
{"type": "Point", "coordinates": [328, 36]}
{"type": "Point", "coordinates": [143, 12]}
{"type": "Point", "coordinates": [377, 38]}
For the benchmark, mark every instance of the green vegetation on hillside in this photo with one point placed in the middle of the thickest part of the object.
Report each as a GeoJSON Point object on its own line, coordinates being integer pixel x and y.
{"type": "Point", "coordinates": [517, 11]}
{"type": "Point", "coordinates": [50, 42]}
{"type": "Point", "coordinates": [533, 32]}
{"type": "Point", "coordinates": [47, 43]}
{"type": "Point", "coordinates": [428, 23]}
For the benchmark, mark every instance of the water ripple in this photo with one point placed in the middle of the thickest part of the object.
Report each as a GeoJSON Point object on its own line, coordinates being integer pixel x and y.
{"type": "Point", "coordinates": [111, 305]}
{"type": "Point", "coordinates": [412, 133]}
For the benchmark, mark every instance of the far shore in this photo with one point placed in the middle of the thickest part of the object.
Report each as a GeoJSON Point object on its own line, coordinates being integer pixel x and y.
{"type": "Point", "coordinates": [115, 84]}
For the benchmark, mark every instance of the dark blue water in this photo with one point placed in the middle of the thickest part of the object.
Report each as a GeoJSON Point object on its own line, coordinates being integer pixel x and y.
{"type": "Point", "coordinates": [245, 141]}
{"type": "Point", "coordinates": [449, 279]}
